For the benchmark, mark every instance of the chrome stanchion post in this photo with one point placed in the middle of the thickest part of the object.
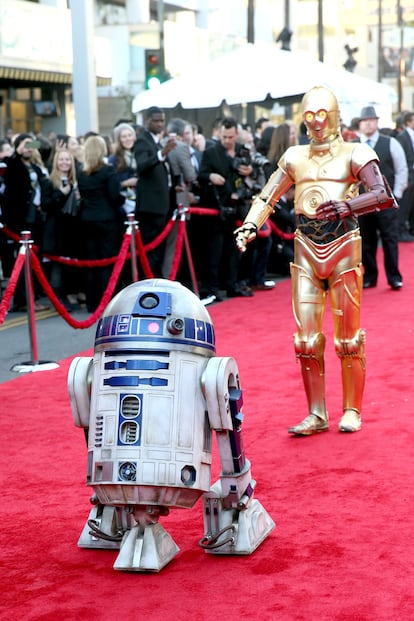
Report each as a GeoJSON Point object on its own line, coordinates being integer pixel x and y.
{"type": "Point", "coordinates": [131, 230]}
{"type": "Point", "coordinates": [27, 244]}
{"type": "Point", "coordinates": [184, 215]}
{"type": "Point", "coordinates": [34, 364]}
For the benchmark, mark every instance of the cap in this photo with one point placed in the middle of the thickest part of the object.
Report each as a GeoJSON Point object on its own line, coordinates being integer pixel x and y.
{"type": "Point", "coordinates": [121, 127]}
{"type": "Point", "coordinates": [368, 113]}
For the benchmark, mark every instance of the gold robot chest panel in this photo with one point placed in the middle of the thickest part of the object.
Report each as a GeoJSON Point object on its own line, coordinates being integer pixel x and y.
{"type": "Point", "coordinates": [319, 180]}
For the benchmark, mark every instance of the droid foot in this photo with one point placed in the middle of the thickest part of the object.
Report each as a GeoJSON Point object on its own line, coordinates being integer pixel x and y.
{"type": "Point", "coordinates": [230, 531]}
{"type": "Point", "coordinates": [350, 421]}
{"type": "Point", "coordinates": [146, 548]}
{"type": "Point", "coordinates": [105, 528]}
{"type": "Point", "coordinates": [310, 425]}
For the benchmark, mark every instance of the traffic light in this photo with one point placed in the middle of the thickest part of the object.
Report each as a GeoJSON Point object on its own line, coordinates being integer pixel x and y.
{"type": "Point", "coordinates": [154, 68]}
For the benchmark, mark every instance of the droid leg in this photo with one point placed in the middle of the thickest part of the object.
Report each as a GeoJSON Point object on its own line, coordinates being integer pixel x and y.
{"type": "Point", "coordinates": [105, 527]}
{"type": "Point", "coordinates": [146, 546]}
{"type": "Point", "coordinates": [349, 345]}
{"type": "Point", "coordinates": [309, 304]}
{"type": "Point", "coordinates": [234, 522]}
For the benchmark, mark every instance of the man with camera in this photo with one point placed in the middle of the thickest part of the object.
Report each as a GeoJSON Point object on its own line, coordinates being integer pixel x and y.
{"type": "Point", "coordinates": [224, 170]}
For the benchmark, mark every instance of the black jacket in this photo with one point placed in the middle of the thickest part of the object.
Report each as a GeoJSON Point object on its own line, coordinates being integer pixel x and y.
{"type": "Point", "coordinates": [18, 195]}
{"type": "Point", "coordinates": [101, 197]}
{"type": "Point", "coordinates": [152, 190]}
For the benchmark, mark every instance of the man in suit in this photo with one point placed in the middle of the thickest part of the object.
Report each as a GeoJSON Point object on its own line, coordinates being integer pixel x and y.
{"type": "Point", "coordinates": [393, 165]}
{"type": "Point", "coordinates": [223, 169]}
{"type": "Point", "coordinates": [406, 213]}
{"type": "Point", "coordinates": [155, 193]}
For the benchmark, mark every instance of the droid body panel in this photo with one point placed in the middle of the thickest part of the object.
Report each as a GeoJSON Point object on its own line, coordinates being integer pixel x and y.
{"type": "Point", "coordinates": [150, 399]}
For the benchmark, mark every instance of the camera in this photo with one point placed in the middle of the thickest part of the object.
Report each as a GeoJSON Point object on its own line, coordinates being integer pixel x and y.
{"type": "Point", "coordinates": [242, 158]}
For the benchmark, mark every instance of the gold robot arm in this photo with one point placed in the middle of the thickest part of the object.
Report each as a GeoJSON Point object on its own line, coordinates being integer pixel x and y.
{"type": "Point", "coordinates": [263, 205]}
{"type": "Point", "coordinates": [377, 196]}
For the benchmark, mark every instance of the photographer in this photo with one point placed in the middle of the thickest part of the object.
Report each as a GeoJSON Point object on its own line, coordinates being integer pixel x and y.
{"type": "Point", "coordinates": [224, 176]}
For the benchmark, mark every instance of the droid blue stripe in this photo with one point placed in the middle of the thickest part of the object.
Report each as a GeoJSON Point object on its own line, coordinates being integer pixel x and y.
{"type": "Point", "coordinates": [134, 381]}
{"type": "Point", "coordinates": [189, 330]}
{"type": "Point", "coordinates": [134, 341]}
{"type": "Point", "coordinates": [136, 365]}
{"type": "Point", "coordinates": [201, 330]}
{"type": "Point", "coordinates": [209, 333]}
{"type": "Point", "coordinates": [196, 332]}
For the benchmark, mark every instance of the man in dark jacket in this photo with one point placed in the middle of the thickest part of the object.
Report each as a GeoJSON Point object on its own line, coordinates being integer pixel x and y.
{"type": "Point", "coordinates": [21, 202]}
{"type": "Point", "coordinates": [382, 224]}
{"type": "Point", "coordinates": [223, 170]}
{"type": "Point", "coordinates": [154, 191]}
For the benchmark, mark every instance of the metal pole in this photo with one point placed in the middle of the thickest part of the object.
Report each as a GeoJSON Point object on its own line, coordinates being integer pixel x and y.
{"type": "Point", "coordinates": [27, 244]}
{"type": "Point", "coordinates": [34, 364]}
{"type": "Point", "coordinates": [132, 228]}
{"type": "Point", "coordinates": [380, 68]}
{"type": "Point", "coordinates": [251, 114]}
{"type": "Point", "coordinates": [287, 14]}
{"type": "Point", "coordinates": [401, 65]}
{"type": "Point", "coordinates": [320, 30]}
{"type": "Point", "coordinates": [189, 255]}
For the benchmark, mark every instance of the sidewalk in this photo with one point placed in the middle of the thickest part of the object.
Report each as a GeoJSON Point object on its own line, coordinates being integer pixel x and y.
{"type": "Point", "coordinates": [56, 340]}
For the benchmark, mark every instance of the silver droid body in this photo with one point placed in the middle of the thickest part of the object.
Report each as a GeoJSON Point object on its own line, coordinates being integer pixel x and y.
{"type": "Point", "coordinates": [149, 400]}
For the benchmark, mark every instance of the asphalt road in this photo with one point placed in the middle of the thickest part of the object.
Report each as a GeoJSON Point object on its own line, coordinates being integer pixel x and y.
{"type": "Point", "coordinates": [56, 340]}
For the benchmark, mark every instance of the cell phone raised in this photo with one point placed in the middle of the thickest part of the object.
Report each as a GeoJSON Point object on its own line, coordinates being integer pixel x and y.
{"type": "Point", "coordinates": [32, 144]}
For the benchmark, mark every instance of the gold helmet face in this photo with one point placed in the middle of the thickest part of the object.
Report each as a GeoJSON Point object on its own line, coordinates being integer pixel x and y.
{"type": "Point", "coordinates": [320, 113]}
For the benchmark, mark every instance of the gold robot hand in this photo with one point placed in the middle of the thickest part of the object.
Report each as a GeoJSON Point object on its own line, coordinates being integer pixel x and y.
{"type": "Point", "coordinates": [245, 234]}
{"type": "Point", "coordinates": [333, 210]}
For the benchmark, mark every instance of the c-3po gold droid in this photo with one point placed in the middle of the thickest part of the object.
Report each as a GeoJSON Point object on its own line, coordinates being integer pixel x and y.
{"type": "Point", "coordinates": [327, 260]}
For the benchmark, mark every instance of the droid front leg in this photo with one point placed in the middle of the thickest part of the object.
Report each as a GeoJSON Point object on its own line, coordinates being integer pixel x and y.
{"type": "Point", "coordinates": [234, 521]}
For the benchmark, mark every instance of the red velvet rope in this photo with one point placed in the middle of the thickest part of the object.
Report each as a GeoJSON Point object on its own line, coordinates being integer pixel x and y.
{"type": "Point", "coordinates": [276, 230]}
{"type": "Point", "coordinates": [118, 262]}
{"type": "Point", "coordinates": [142, 256]}
{"type": "Point", "coordinates": [108, 293]}
{"type": "Point", "coordinates": [11, 286]}
{"type": "Point", "coordinates": [178, 249]}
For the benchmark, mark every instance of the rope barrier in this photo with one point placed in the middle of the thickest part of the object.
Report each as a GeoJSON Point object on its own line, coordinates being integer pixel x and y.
{"type": "Point", "coordinates": [132, 240]}
{"type": "Point", "coordinates": [108, 293]}
{"type": "Point", "coordinates": [11, 286]}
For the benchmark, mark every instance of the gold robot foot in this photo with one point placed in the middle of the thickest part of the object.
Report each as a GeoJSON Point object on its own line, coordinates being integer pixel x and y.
{"type": "Point", "coordinates": [350, 421]}
{"type": "Point", "coordinates": [310, 425]}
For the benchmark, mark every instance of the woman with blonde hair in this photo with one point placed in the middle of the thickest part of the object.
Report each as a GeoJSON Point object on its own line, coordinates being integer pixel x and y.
{"type": "Point", "coordinates": [60, 204]}
{"type": "Point", "coordinates": [101, 216]}
{"type": "Point", "coordinates": [123, 158]}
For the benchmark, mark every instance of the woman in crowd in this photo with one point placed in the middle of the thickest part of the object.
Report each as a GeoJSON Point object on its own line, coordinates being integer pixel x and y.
{"type": "Point", "coordinates": [123, 159]}
{"type": "Point", "coordinates": [101, 216]}
{"type": "Point", "coordinates": [60, 204]}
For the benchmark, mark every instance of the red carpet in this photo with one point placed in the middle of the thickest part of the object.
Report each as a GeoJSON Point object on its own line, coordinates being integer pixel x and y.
{"type": "Point", "coordinates": [344, 504]}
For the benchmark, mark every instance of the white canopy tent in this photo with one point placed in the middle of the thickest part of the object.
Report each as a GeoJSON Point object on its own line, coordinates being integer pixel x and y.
{"type": "Point", "coordinates": [259, 72]}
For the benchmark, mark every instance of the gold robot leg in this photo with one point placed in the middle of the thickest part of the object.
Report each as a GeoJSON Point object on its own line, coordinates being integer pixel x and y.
{"type": "Point", "coordinates": [309, 342]}
{"type": "Point", "coordinates": [349, 345]}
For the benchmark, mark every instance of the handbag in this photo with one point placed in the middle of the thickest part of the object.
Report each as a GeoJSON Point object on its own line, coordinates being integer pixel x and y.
{"type": "Point", "coordinates": [72, 204]}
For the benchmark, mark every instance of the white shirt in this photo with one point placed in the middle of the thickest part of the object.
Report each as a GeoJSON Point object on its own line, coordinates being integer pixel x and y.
{"type": "Point", "coordinates": [398, 159]}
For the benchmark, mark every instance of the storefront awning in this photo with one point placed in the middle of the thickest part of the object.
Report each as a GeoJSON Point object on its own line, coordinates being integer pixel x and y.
{"type": "Point", "coordinates": [33, 75]}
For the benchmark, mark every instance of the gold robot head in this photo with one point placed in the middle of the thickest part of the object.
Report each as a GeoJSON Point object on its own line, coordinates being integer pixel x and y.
{"type": "Point", "coordinates": [320, 113]}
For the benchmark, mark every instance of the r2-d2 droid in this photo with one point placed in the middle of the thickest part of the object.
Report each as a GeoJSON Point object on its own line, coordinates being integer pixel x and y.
{"type": "Point", "coordinates": [149, 400]}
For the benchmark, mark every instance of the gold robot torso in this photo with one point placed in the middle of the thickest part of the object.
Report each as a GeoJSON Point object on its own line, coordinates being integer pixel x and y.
{"type": "Point", "coordinates": [324, 172]}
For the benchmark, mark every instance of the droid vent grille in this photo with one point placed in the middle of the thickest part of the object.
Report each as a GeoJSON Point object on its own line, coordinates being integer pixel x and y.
{"type": "Point", "coordinates": [131, 407]}
{"type": "Point", "coordinates": [128, 471]}
{"type": "Point", "coordinates": [129, 432]}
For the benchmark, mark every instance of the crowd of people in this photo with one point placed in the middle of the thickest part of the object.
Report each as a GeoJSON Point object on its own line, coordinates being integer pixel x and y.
{"type": "Point", "coordinates": [73, 194]}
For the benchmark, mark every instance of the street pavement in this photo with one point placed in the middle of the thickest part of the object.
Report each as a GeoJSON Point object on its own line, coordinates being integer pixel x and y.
{"type": "Point", "coordinates": [56, 340]}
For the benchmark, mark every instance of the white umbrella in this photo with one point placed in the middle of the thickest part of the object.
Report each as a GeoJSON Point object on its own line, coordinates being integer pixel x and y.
{"type": "Point", "coordinates": [256, 72]}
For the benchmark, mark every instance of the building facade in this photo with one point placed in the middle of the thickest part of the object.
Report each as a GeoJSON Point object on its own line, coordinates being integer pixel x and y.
{"type": "Point", "coordinates": [56, 59]}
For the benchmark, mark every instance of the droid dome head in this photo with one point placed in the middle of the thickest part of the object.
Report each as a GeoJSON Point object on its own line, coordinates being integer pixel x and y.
{"type": "Point", "coordinates": [156, 314]}
{"type": "Point", "coordinates": [320, 113]}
